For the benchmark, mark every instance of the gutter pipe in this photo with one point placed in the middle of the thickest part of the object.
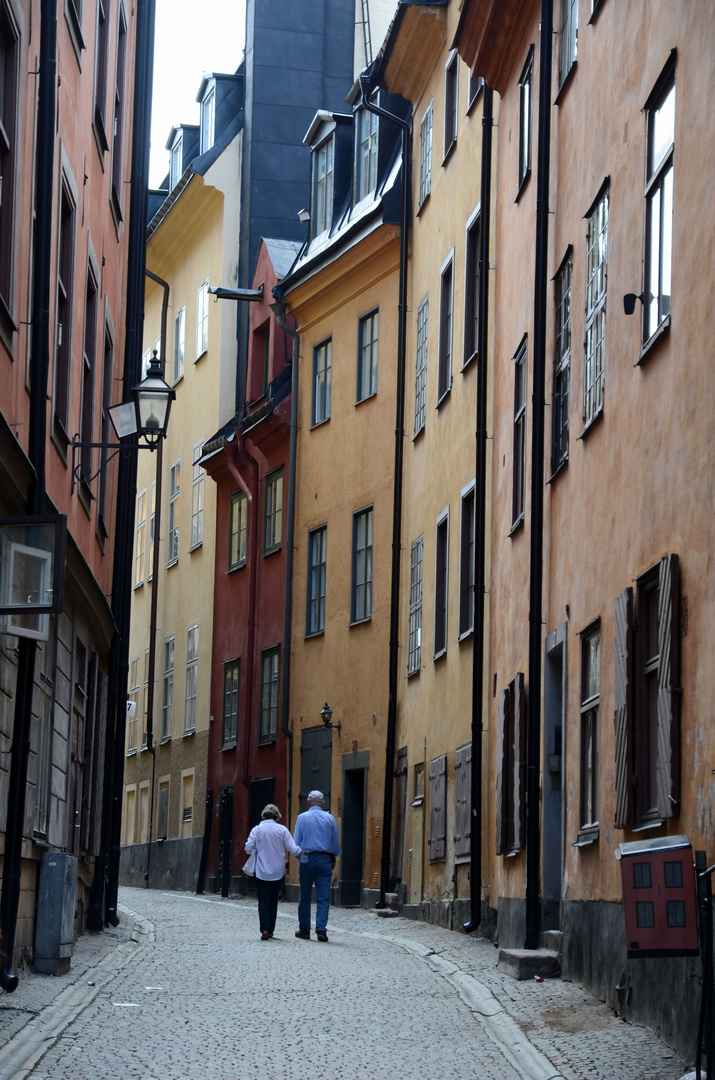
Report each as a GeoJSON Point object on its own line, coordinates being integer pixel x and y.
{"type": "Point", "coordinates": [480, 526]}
{"type": "Point", "coordinates": [27, 648]}
{"type": "Point", "coordinates": [405, 126]}
{"type": "Point", "coordinates": [537, 485]}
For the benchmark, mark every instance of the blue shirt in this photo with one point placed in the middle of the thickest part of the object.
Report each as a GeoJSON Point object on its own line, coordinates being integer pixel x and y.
{"type": "Point", "coordinates": [317, 830]}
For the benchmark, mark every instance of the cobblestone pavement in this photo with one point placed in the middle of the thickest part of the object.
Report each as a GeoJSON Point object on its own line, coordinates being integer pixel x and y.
{"type": "Point", "coordinates": [184, 987]}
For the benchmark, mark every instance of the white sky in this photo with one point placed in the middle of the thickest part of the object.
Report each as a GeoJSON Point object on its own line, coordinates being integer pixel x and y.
{"type": "Point", "coordinates": [192, 37]}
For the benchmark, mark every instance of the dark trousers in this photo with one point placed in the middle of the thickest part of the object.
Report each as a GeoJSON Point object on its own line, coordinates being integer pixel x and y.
{"type": "Point", "coordinates": [268, 903]}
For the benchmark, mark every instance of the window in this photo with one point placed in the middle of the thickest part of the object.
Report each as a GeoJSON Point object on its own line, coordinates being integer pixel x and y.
{"type": "Point", "coordinates": [197, 498]}
{"type": "Point", "coordinates": [317, 559]}
{"type": "Point", "coordinates": [562, 365]}
{"type": "Point", "coordinates": [568, 38]}
{"type": "Point", "coordinates": [167, 697]}
{"type": "Point", "coordinates": [192, 678]}
{"type": "Point", "coordinates": [367, 355]}
{"type": "Point", "coordinates": [322, 374]}
{"type": "Point", "coordinates": [146, 361]}
{"type": "Point", "coordinates": [451, 81]}
{"type": "Point", "coordinates": [65, 291]}
{"type": "Point", "coordinates": [421, 365]}
{"type": "Point", "coordinates": [208, 115]}
{"type": "Point", "coordinates": [152, 519]}
{"type": "Point", "coordinates": [463, 801]}
{"type": "Point", "coordinates": [361, 602]}
{"type": "Point", "coordinates": [466, 562]}
{"type": "Point", "coordinates": [438, 809]}
{"type": "Point", "coordinates": [366, 166]}
{"type": "Point", "coordinates": [511, 769]}
{"type": "Point", "coordinates": [89, 364]}
{"type": "Point", "coordinates": [472, 285]}
{"type": "Point", "coordinates": [476, 85]}
{"type": "Point", "coordinates": [43, 744]}
{"type": "Point", "coordinates": [176, 157]}
{"type": "Point", "coordinates": [590, 710]}
{"type": "Point", "coordinates": [270, 670]}
{"type": "Point", "coordinates": [9, 82]}
{"type": "Point", "coordinates": [525, 106]}
{"type": "Point", "coordinates": [202, 319]}
{"type": "Point", "coordinates": [140, 539]}
{"type": "Point", "coordinates": [647, 705]}
{"type": "Point", "coordinates": [100, 74]}
{"type": "Point", "coordinates": [134, 677]}
{"type": "Point", "coordinates": [660, 112]}
{"type": "Point", "coordinates": [323, 187]}
{"type": "Point", "coordinates": [238, 530]}
{"type": "Point", "coordinates": [145, 701]}
{"type": "Point", "coordinates": [273, 532]}
{"type": "Point", "coordinates": [105, 428]}
{"type": "Point", "coordinates": [444, 371]}
{"type": "Point", "coordinates": [179, 344]}
{"type": "Point", "coordinates": [426, 154]}
{"type": "Point", "coordinates": [231, 671]}
{"type": "Point", "coordinates": [172, 540]}
{"type": "Point", "coordinates": [187, 802]}
{"type": "Point", "coordinates": [596, 276]}
{"type": "Point", "coordinates": [414, 648]}
{"type": "Point", "coordinates": [441, 573]}
{"type": "Point", "coordinates": [518, 491]}
{"type": "Point", "coordinates": [162, 827]}
{"type": "Point", "coordinates": [117, 139]}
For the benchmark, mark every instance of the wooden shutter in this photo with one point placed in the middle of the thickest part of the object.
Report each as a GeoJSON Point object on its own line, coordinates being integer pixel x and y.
{"type": "Point", "coordinates": [316, 756]}
{"type": "Point", "coordinates": [90, 732]}
{"type": "Point", "coordinates": [668, 761]}
{"type": "Point", "coordinates": [462, 798]}
{"type": "Point", "coordinates": [502, 813]}
{"type": "Point", "coordinates": [623, 716]}
{"type": "Point", "coordinates": [517, 839]}
{"type": "Point", "coordinates": [438, 809]}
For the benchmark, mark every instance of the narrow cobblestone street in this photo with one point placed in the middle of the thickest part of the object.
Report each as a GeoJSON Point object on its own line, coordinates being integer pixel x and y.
{"type": "Point", "coordinates": [197, 994]}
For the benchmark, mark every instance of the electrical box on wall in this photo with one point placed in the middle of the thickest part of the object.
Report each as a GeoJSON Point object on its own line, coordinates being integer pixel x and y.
{"type": "Point", "coordinates": [659, 898]}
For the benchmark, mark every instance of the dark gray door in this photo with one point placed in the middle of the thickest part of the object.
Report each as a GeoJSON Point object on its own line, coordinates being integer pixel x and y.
{"type": "Point", "coordinates": [353, 839]}
{"type": "Point", "coordinates": [316, 756]}
{"type": "Point", "coordinates": [400, 810]}
{"type": "Point", "coordinates": [263, 791]}
{"type": "Point", "coordinates": [225, 838]}
{"type": "Point", "coordinates": [552, 794]}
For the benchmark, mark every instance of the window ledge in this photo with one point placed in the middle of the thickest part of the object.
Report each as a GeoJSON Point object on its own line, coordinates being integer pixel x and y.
{"type": "Point", "coordinates": [566, 83]}
{"type": "Point", "coordinates": [512, 854]}
{"type": "Point", "coordinates": [228, 746]}
{"type": "Point", "coordinates": [465, 634]}
{"type": "Point", "coordinates": [558, 470]}
{"type": "Point", "coordinates": [188, 734]}
{"type": "Point", "coordinates": [360, 622]}
{"type": "Point", "coordinates": [469, 361]}
{"type": "Point", "coordinates": [516, 525]}
{"type": "Point", "coordinates": [238, 566]}
{"type": "Point", "coordinates": [419, 432]}
{"type": "Point", "coordinates": [196, 546]}
{"type": "Point", "coordinates": [591, 424]}
{"type": "Point", "coordinates": [656, 823]}
{"type": "Point", "coordinates": [424, 202]}
{"type": "Point", "coordinates": [314, 634]}
{"type": "Point", "coordinates": [654, 340]}
{"type": "Point", "coordinates": [269, 741]}
{"type": "Point", "coordinates": [586, 836]}
{"type": "Point", "coordinates": [201, 355]}
{"type": "Point", "coordinates": [132, 752]}
{"type": "Point", "coordinates": [524, 181]}
{"type": "Point", "coordinates": [449, 151]}
{"type": "Point", "coordinates": [178, 379]}
{"type": "Point", "coordinates": [319, 423]}
{"type": "Point", "coordinates": [439, 655]}
{"type": "Point", "coordinates": [445, 395]}
{"type": "Point", "coordinates": [166, 739]}
{"type": "Point", "coordinates": [367, 397]}
{"type": "Point", "coordinates": [138, 585]}
{"type": "Point", "coordinates": [272, 550]}
{"type": "Point", "coordinates": [172, 562]}
{"type": "Point", "coordinates": [419, 801]}
{"type": "Point", "coordinates": [415, 671]}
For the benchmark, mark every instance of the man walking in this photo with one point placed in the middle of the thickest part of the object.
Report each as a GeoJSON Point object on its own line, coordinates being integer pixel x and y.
{"type": "Point", "coordinates": [316, 833]}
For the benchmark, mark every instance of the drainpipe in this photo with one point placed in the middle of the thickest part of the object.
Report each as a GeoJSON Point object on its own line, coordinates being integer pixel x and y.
{"type": "Point", "coordinates": [279, 310]}
{"type": "Point", "coordinates": [537, 486]}
{"type": "Point", "coordinates": [405, 127]}
{"type": "Point", "coordinates": [480, 527]}
{"type": "Point", "coordinates": [27, 648]}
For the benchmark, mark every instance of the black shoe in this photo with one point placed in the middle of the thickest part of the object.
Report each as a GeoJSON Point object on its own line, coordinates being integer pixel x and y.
{"type": "Point", "coordinates": [302, 934]}
{"type": "Point", "coordinates": [321, 935]}
{"type": "Point", "coordinates": [265, 935]}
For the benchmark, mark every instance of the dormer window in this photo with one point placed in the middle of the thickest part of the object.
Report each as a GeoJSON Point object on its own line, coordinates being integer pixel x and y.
{"type": "Point", "coordinates": [175, 160]}
{"type": "Point", "coordinates": [208, 116]}
{"type": "Point", "coordinates": [366, 165]}
{"type": "Point", "coordinates": [323, 186]}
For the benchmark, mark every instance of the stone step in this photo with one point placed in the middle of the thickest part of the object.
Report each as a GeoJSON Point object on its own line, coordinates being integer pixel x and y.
{"type": "Point", "coordinates": [529, 963]}
{"type": "Point", "coordinates": [551, 939]}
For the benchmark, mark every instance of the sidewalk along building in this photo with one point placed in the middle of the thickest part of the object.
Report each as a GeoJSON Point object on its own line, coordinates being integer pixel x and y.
{"type": "Point", "coordinates": [190, 247]}
{"type": "Point", "coordinates": [343, 293]}
{"type": "Point", "coordinates": [66, 108]}
{"type": "Point", "coordinates": [603, 315]}
{"type": "Point", "coordinates": [249, 467]}
{"type": "Point", "coordinates": [437, 830]}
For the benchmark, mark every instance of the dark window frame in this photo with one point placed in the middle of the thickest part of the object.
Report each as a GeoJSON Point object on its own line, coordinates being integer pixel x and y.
{"type": "Point", "coordinates": [563, 291]}
{"type": "Point", "coordinates": [451, 103]}
{"type": "Point", "coordinates": [270, 691]}
{"type": "Point", "coordinates": [238, 536]}
{"type": "Point", "coordinates": [367, 359]}
{"type": "Point", "coordinates": [518, 491]}
{"type": "Point", "coordinates": [446, 328]}
{"type": "Point", "coordinates": [658, 198]}
{"type": "Point", "coordinates": [472, 287]}
{"type": "Point", "coordinates": [272, 512]}
{"type": "Point", "coordinates": [229, 711]}
{"type": "Point", "coordinates": [441, 584]}
{"type": "Point", "coordinates": [422, 335]}
{"type": "Point", "coordinates": [362, 565]}
{"type": "Point", "coordinates": [467, 536]}
{"type": "Point", "coordinates": [590, 708]}
{"type": "Point", "coordinates": [526, 108]}
{"type": "Point", "coordinates": [10, 52]}
{"type": "Point", "coordinates": [317, 581]}
{"type": "Point", "coordinates": [414, 642]}
{"type": "Point", "coordinates": [322, 382]}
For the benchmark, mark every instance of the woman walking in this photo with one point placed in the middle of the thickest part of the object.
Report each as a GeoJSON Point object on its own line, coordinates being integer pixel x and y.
{"type": "Point", "coordinates": [270, 841]}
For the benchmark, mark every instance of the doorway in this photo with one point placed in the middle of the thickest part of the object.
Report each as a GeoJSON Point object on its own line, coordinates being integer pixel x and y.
{"type": "Point", "coordinates": [553, 773]}
{"type": "Point", "coordinates": [352, 860]}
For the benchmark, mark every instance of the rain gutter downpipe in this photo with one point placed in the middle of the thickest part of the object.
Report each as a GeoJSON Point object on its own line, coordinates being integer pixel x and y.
{"type": "Point", "coordinates": [533, 919]}
{"type": "Point", "coordinates": [480, 526]}
{"type": "Point", "coordinates": [405, 126]}
{"type": "Point", "coordinates": [27, 648]}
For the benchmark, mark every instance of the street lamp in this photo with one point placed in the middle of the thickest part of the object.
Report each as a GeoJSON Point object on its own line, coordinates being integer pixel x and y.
{"type": "Point", "coordinates": [326, 715]}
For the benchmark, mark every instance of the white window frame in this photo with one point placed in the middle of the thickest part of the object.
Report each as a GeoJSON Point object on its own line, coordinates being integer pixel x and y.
{"type": "Point", "coordinates": [202, 319]}
{"type": "Point", "coordinates": [134, 687]}
{"type": "Point", "coordinates": [366, 154]}
{"type": "Point", "coordinates": [472, 286]}
{"type": "Point", "coordinates": [197, 497]}
{"type": "Point", "coordinates": [421, 365]}
{"type": "Point", "coordinates": [467, 540]}
{"type": "Point", "coordinates": [140, 539]}
{"type": "Point", "coordinates": [208, 118]}
{"type": "Point", "coordinates": [368, 338]}
{"type": "Point", "coordinates": [322, 381]}
{"type": "Point", "coordinates": [152, 519]}
{"type": "Point", "coordinates": [446, 327]}
{"type": "Point", "coordinates": [518, 494]}
{"type": "Point", "coordinates": [167, 697]}
{"type": "Point", "coordinates": [451, 101]}
{"type": "Point", "coordinates": [441, 584]}
{"type": "Point", "coordinates": [179, 344]}
{"type": "Point", "coordinates": [172, 540]}
{"type": "Point", "coordinates": [596, 290]}
{"type": "Point", "coordinates": [526, 102]}
{"type": "Point", "coordinates": [568, 38]}
{"type": "Point", "coordinates": [426, 153]}
{"type": "Point", "coordinates": [192, 678]}
{"type": "Point", "coordinates": [414, 646]}
{"type": "Point", "coordinates": [362, 565]}
{"type": "Point", "coordinates": [659, 203]}
{"type": "Point", "coordinates": [323, 166]}
{"type": "Point", "coordinates": [563, 283]}
{"type": "Point", "coordinates": [176, 155]}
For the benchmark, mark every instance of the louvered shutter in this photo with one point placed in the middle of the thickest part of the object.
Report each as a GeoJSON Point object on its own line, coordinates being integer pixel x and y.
{"type": "Point", "coordinates": [668, 762]}
{"type": "Point", "coordinates": [90, 750]}
{"type": "Point", "coordinates": [623, 716]}
{"type": "Point", "coordinates": [462, 798]}
{"type": "Point", "coordinates": [502, 814]}
{"type": "Point", "coordinates": [438, 809]}
{"type": "Point", "coordinates": [518, 790]}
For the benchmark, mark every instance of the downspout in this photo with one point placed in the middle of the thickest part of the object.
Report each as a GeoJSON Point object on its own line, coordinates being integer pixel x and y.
{"type": "Point", "coordinates": [155, 578]}
{"type": "Point", "coordinates": [278, 310]}
{"type": "Point", "coordinates": [480, 526]}
{"type": "Point", "coordinates": [537, 486]}
{"type": "Point", "coordinates": [405, 127]}
{"type": "Point", "coordinates": [233, 450]}
{"type": "Point", "coordinates": [27, 648]}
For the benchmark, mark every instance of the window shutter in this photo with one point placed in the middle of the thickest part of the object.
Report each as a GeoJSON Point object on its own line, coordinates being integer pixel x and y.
{"type": "Point", "coordinates": [502, 813]}
{"type": "Point", "coordinates": [90, 750]}
{"type": "Point", "coordinates": [623, 717]}
{"type": "Point", "coordinates": [438, 809]}
{"type": "Point", "coordinates": [668, 761]}
{"type": "Point", "coordinates": [518, 814]}
{"type": "Point", "coordinates": [462, 798]}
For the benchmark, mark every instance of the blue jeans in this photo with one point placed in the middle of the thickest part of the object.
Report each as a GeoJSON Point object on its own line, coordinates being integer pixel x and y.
{"type": "Point", "coordinates": [268, 903]}
{"type": "Point", "coordinates": [316, 870]}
